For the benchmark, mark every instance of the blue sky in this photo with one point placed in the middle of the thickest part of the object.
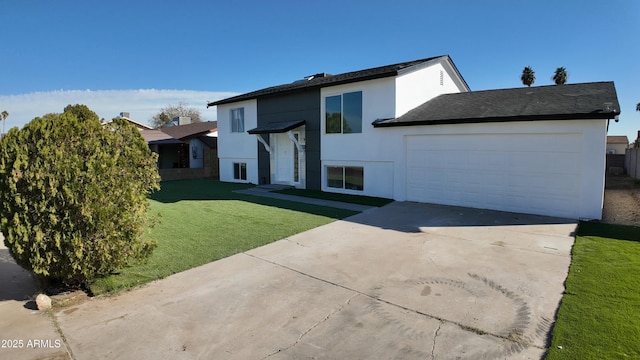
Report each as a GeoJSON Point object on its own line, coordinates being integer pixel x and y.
{"type": "Point", "coordinates": [140, 55]}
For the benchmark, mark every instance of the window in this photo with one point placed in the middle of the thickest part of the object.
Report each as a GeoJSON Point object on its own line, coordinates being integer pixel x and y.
{"type": "Point", "coordinates": [345, 177]}
{"type": "Point", "coordinates": [240, 171]}
{"type": "Point", "coordinates": [237, 120]}
{"type": "Point", "coordinates": [343, 113]}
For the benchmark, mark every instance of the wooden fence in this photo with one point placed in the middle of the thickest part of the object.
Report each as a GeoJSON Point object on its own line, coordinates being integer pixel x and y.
{"type": "Point", "coordinates": [632, 162]}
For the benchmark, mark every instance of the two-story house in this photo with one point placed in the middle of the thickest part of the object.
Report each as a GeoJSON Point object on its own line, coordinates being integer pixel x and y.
{"type": "Point", "coordinates": [414, 131]}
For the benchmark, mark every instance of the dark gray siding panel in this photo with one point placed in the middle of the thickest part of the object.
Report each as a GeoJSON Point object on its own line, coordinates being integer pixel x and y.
{"type": "Point", "coordinates": [263, 162]}
{"type": "Point", "coordinates": [299, 106]}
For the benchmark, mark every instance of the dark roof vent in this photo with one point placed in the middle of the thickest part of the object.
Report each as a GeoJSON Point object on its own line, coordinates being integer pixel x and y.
{"type": "Point", "coordinates": [318, 75]}
{"type": "Point", "coordinates": [311, 77]}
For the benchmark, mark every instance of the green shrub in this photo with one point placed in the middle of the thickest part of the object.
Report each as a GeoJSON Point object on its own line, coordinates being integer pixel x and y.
{"type": "Point", "coordinates": [73, 195]}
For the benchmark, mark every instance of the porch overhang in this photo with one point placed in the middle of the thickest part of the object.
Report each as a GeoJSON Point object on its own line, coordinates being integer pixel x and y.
{"type": "Point", "coordinates": [276, 127]}
{"type": "Point", "coordinates": [263, 142]}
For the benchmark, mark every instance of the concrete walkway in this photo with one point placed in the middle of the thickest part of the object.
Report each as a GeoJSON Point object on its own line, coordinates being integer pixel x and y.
{"type": "Point", "coordinates": [25, 332]}
{"type": "Point", "coordinates": [30, 334]}
{"type": "Point", "coordinates": [267, 191]}
{"type": "Point", "coordinates": [405, 281]}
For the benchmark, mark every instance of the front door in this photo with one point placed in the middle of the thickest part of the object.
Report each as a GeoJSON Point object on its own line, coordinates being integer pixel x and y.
{"type": "Point", "coordinates": [286, 162]}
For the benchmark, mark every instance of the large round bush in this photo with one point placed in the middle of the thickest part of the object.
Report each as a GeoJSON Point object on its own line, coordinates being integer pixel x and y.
{"type": "Point", "coordinates": [73, 195]}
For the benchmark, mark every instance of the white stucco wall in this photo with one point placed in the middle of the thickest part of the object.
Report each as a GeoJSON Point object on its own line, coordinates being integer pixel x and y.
{"type": "Point", "coordinates": [417, 87]}
{"type": "Point", "coordinates": [237, 147]}
{"type": "Point", "coordinates": [364, 149]}
{"type": "Point", "coordinates": [592, 135]}
{"type": "Point", "coordinates": [618, 149]}
{"type": "Point", "coordinates": [373, 149]}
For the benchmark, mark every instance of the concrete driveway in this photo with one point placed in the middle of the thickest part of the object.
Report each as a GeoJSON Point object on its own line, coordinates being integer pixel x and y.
{"type": "Point", "coordinates": [400, 282]}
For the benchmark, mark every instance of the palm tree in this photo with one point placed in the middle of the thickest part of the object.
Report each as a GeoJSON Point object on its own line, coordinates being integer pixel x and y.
{"type": "Point", "coordinates": [638, 107]}
{"type": "Point", "coordinates": [528, 76]}
{"type": "Point", "coordinates": [4, 116]}
{"type": "Point", "coordinates": [560, 76]}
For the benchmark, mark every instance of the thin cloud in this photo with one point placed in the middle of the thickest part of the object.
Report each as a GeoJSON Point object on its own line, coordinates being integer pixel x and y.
{"type": "Point", "coordinates": [140, 104]}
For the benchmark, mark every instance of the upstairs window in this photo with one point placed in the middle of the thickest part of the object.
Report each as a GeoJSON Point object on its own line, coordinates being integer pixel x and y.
{"type": "Point", "coordinates": [237, 120]}
{"type": "Point", "coordinates": [343, 113]}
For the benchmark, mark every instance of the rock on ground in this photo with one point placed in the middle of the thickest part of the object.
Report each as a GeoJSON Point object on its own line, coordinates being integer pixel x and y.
{"type": "Point", "coordinates": [43, 302]}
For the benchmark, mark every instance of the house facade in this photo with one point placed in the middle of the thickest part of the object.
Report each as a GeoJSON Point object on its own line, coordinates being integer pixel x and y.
{"type": "Point", "coordinates": [414, 132]}
{"type": "Point", "coordinates": [185, 151]}
{"type": "Point", "coordinates": [300, 145]}
{"type": "Point", "coordinates": [617, 144]}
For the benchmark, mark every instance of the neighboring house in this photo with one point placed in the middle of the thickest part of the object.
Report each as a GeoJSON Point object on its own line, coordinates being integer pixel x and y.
{"type": "Point", "coordinates": [617, 144]}
{"type": "Point", "coordinates": [414, 132]}
{"type": "Point", "coordinates": [125, 115]}
{"type": "Point", "coordinates": [190, 146]}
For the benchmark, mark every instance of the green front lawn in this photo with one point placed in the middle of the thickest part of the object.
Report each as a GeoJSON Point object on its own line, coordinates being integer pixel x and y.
{"type": "Point", "coordinates": [599, 317]}
{"type": "Point", "coordinates": [204, 220]}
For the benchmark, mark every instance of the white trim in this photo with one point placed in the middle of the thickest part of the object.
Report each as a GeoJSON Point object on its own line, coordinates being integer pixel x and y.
{"type": "Point", "coordinates": [295, 141]}
{"type": "Point", "coordinates": [263, 142]}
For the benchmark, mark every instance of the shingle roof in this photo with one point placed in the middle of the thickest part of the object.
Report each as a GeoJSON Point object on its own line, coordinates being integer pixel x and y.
{"type": "Point", "coordinates": [331, 80]}
{"type": "Point", "coordinates": [596, 100]}
{"type": "Point", "coordinates": [188, 131]}
{"type": "Point", "coordinates": [154, 135]}
{"type": "Point", "coordinates": [138, 124]}
{"type": "Point", "coordinates": [135, 123]}
{"type": "Point", "coordinates": [617, 139]}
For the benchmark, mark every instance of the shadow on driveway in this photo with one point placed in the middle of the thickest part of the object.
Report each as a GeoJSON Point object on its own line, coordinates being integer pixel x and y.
{"type": "Point", "coordinates": [15, 282]}
{"type": "Point", "coordinates": [413, 217]}
{"type": "Point", "coordinates": [409, 217]}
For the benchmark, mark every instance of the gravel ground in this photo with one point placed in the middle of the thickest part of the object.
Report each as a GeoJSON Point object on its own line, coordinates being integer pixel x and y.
{"type": "Point", "coordinates": [622, 201]}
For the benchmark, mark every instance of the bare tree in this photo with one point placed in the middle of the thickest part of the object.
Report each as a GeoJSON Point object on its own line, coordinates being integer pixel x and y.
{"type": "Point", "coordinates": [170, 112]}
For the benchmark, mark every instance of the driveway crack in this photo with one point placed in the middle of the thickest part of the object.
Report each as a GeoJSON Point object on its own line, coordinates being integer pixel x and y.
{"type": "Point", "coordinates": [325, 318]}
{"type": "Point", "coordinates": [56, 326]}
{"type": "Point", "coordinates": [440, 269]}
{"type": "Point", "coordinates": [435, 337]}
{"type": "Point", "coordinates": [295, 242]}
{"type": "Point", "coordinates": [304, 333]}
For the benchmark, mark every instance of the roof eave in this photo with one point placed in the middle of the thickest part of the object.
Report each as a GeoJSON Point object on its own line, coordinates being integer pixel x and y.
{"type": "Point", "coordinates": [587, 116]}
{"type": "Point", "coordinates": [196, 135]}
{"type": "Point", "coordinates": [244, 97]}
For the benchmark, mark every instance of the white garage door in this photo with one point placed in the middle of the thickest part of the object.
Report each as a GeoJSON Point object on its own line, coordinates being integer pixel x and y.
{"type": "Point", "coordinates": [529, 173]}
